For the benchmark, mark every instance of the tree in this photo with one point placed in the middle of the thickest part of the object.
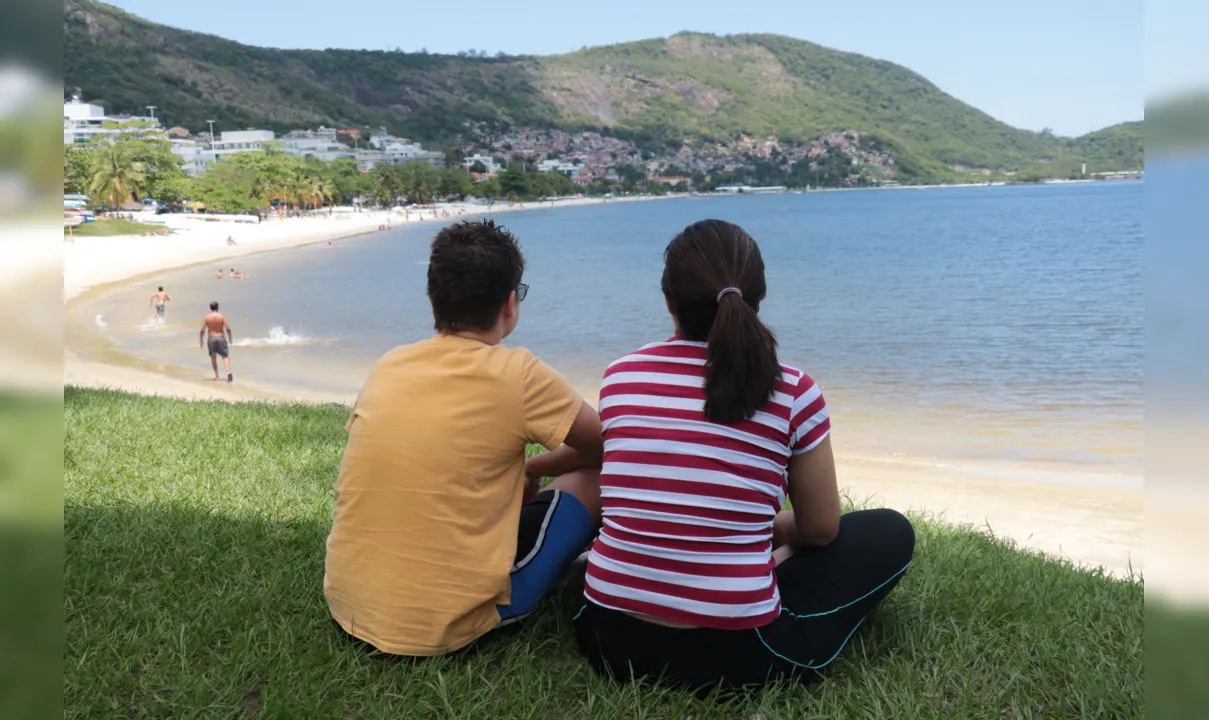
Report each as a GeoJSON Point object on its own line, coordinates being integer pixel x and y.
{"type": "Point", "coordinates": [148, 146]}
{"type": "Point", "coordinates": [77, 169]}
{"type": "Point", "coordinates": [420, 181]}
{"type": "Point", "coordinates": [347, 180]}
{"type": "Point", "coordinates": [478, 167]}
{"type": "Point", "coordinates": [514, 183]}
{"type": "Point", "coordinates": [227, 188]}
{"type": "Point", "coordinates": [270, 175]}
{"type": "Point", "coordinates": [456, 182]}
{"type": "Point", "coordinates": [324, 191]}
{"type": "Point", "coordinates": [489, 189]}
{"type": "Point", "coordinates": [385, 183]}
{"type": "Point", "coordinates": [116, 175]}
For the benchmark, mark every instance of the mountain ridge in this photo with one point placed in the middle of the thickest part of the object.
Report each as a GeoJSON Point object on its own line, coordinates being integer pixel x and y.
{"type": "Point", "coordinates": [657, 91]}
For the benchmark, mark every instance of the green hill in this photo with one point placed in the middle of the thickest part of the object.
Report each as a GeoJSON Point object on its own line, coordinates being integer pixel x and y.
{"type": "Point", "coordinates": [655, 91]}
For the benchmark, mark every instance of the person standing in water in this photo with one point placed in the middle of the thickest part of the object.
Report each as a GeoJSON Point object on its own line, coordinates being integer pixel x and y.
{"type": "Point", "coordinates": [218, 341]}
{"type": "Point", "coordinates": [159, 300]}
{"type": "Point", "coordinates": [219, 276]}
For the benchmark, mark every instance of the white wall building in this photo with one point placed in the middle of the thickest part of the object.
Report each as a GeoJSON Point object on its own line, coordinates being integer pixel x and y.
{"type": "Point", "coordinates": [193, 156]}
{"type": "Point", "coordinates": [83, 121]}
{"type": "Point", "coordinates": [559, 166]}
{"type": "Point", "coordinates": [487, 161]}
{"type": "Point", "coordinates": [401, 153]}
{"type": "Point", "coordinates": [236, 141]}
{"type": "Point", "coordinates": [367, 159]}
{"type": "Point", "coordinates": [323, 144]}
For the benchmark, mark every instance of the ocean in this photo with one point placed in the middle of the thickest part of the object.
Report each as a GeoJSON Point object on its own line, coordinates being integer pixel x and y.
{"type": "Point", "coordinates": [994, 328]}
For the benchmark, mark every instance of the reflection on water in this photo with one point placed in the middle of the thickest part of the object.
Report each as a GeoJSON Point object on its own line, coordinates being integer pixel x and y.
{"type": "Point", "coordinates": [982, 325]}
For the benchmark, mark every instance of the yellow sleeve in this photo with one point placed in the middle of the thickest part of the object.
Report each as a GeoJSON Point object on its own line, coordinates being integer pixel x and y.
{"type": "Point", "coordinates": [550, 405]}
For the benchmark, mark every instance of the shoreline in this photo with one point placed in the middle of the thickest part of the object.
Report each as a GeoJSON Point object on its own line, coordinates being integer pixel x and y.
{"type": "Point", "coordinates": [1091, 525]}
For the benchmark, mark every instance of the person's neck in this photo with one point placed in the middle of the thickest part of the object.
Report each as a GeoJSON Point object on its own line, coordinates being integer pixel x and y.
{"type": "Point", "coordinates": [494, 336]}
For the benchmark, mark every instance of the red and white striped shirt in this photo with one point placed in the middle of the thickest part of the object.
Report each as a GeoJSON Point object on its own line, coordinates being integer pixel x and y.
{"type": "Point", "coordinates": [688, 503]}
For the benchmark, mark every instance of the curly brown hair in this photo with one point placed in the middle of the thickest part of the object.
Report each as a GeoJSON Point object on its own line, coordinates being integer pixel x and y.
{"type": "Point", "coordinates": [473, 268]}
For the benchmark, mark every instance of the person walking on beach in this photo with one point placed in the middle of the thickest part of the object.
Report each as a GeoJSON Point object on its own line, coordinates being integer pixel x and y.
{"type": "Point", "coordinates": [699, 578]}
{"type": "Point", "coordinates": [159, 300]}
{"type": "Point", "coordinates": [215, 335]}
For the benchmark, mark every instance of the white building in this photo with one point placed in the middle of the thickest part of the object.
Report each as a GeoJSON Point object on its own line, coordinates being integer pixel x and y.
{"type": "Point", "coordinates": [400, 152]}
{"type": "Point", "coordinates": [559, 166]}
{"type": "Point", "coordinates": [236, 141]}
{"type": "Point", "coordinates": [487, 161]}
{"type": "Point", "coordinates": [323, 144]}
{"type": "Point", "coordinates": [193, 156]}
{"type": "Point", "coordinates": [367, 159]}
{"type": "Point", "coordinates": [83, 121]}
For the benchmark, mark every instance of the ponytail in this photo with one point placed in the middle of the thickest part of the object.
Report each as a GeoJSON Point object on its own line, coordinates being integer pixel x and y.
{"type": "Point", "coordinates": [713, 279]}
{"type": "Point", "coordinates": [741, 369]}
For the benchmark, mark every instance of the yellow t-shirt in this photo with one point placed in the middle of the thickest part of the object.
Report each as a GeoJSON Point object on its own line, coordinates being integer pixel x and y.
{"type": "Point", "coordinates": [430, 490]}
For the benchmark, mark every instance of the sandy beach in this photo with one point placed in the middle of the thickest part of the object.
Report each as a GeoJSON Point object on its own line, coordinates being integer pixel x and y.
{"type": "Point", "coordinates": [1090, 525]}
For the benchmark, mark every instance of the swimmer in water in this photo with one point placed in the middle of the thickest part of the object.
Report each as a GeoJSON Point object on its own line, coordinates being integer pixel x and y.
{"type": "Point", "coordinates": [220, 273]}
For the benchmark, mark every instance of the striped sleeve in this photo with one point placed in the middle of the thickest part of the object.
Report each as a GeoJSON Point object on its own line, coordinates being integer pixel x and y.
{"type": "Point", "coordinates": [809, 422]}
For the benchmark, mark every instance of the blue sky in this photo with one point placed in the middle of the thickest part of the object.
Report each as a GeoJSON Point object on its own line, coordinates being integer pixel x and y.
{"type": "Point", "coordinates": [1070, 65]}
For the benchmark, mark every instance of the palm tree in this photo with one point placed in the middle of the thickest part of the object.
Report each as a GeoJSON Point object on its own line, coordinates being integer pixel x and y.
{"type": "Point", "coordinates": [325, 191]}
{"type": "Point", "coordinates": [116, 175]}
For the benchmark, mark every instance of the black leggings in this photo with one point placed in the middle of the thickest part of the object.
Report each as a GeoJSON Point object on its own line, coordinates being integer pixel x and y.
{"type": "Point", "coordinates": [826, 593]}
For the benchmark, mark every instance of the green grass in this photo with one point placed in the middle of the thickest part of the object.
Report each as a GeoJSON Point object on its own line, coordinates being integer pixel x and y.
{"type": "Point", "coordinates": [193, 588]}
{"type": "Point", "coordinates": [115, 226]}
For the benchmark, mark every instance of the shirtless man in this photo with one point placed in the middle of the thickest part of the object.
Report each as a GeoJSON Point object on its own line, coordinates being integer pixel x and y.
{"type": "Point", "coordinates": [220, 273]}
{"type": "Point", "coordinates": [219, 340]}
{"type": "Point", "coordinates": [159, 300]}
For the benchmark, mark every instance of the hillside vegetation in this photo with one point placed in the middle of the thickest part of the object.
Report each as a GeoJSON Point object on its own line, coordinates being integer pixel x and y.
{"type": "Point", "coordinates": [655, 91]}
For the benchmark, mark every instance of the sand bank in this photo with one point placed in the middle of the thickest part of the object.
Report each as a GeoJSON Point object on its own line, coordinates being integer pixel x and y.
{"type": "Point", "coordinates": [1090, 525]}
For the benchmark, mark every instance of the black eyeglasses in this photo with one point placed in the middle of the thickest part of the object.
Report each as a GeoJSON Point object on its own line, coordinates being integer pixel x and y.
{"type": "Point", "coordinates": [521, 291]}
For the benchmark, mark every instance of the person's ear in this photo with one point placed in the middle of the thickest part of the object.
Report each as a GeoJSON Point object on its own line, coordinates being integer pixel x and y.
{"type": "Point", "coordinates": [508, 312]}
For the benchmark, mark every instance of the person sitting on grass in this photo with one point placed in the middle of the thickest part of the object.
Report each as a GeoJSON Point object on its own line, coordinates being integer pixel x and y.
{"type": "Point", "coordinates": [441, 531]}
{"type": "Point", "coordinates": [698, 576]}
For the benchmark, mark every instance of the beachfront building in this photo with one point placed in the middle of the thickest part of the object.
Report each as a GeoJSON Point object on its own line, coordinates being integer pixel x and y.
{"type": "Point", "coordinates": [486, 160]}
{"type": "Point", "coordinates": [323, 144]}
{"type": "Point", "coordinates": [82, 122]}
{"type": "Point", "coordinates": [367, 159]}
{"type": "Point", "coordinates": [193, 156]}
{"type": "Point", "coordinates": [560, 166]}
{"type": "Point", "coordinates": [400, 151]}
{"type": "Point", "coordinates": [234, 142]}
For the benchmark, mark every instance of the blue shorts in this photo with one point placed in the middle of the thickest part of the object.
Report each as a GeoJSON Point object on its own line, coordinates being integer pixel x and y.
{"type": "Point", "coordinates": [554, 529]}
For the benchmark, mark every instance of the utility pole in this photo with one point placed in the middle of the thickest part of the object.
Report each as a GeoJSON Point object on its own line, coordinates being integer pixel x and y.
{"type": "Point", "coordinates": [213, 156]}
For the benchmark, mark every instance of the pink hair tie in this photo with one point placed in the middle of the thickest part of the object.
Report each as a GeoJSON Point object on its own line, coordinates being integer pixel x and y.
{"type": "Point", "coordinates": [728, 291]}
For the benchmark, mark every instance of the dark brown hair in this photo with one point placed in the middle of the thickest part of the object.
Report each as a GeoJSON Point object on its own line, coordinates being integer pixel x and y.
{"type": "Point", "coordinates": [741, 369]}
{"type": "Point", "coordinates": [473, 268]}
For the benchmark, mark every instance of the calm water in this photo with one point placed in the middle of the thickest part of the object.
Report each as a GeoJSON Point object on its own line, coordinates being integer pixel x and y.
{"type": "Point", "coordinates": [981, 326]}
